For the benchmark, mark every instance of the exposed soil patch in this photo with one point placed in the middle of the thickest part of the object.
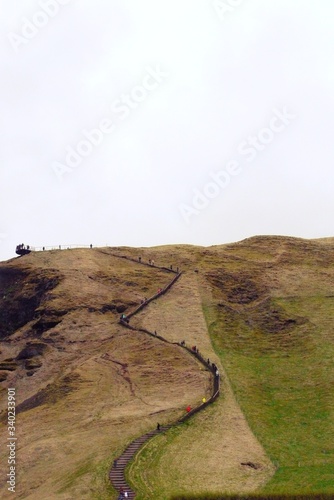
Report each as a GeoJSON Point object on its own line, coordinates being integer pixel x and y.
{"type": "Point", "coordinates": [251, 465]}
{"type": "Point", "coordinates": [264, 329]}
{"type": "Point", "coordinates": [22, 293]}
{"type": "Point", "coordinates": [124, 371]}
{"type": "Point", "coordinates": [238, 288]}
{"type": "Point", "coordinates": [48, 319]}
{"type": "Point", "coordinates": [31, 350]}
{"type": "Point", "coordinates": [8, 364]}
{"type": "Point", "coordinates": [33, 364]}
{"type": "Point", "coordinates": [271, 318]}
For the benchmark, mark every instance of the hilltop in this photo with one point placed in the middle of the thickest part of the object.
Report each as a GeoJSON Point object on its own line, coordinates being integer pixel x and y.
{"type": "Point", "coordinates": [261, 308]}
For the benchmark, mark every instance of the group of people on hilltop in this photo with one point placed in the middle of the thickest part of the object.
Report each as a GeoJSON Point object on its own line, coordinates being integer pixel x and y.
{"type": "Point", "coordinates": [22, 249]}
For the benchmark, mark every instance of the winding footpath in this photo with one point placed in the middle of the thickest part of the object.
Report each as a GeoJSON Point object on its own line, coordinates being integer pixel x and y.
{"type": "Point", "coordinates": [117, 472]}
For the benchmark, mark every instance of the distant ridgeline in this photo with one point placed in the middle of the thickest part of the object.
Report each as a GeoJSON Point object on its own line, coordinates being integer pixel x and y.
{"type": "Point", "coordinates": [23, 249]}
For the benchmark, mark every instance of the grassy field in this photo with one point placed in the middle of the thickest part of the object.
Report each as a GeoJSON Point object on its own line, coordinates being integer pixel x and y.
{"type": "Point", "coordinates": [278, 349]}
{"type": "Point", "coordinates": [287, 398]}
{"type": "Point", "coordinates": [204, 454]}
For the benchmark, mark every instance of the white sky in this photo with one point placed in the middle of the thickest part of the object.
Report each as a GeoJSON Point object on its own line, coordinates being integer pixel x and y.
{"type": "Point", "coordinates": [223, 75]}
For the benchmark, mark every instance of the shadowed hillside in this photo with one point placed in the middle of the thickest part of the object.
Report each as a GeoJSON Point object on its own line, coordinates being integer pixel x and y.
{"type": "Point", "coordinates": [92, 385]}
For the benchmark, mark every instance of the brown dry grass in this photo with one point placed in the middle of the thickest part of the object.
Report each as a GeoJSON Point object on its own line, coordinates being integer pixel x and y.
{"type": "Point", "coordinates": [100, 385]}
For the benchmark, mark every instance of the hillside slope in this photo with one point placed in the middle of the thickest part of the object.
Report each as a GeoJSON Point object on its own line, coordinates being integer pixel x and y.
{"type": "Point", "coordinates": [271, 320]}
{"type": "Point", "coordinates": [208, 453]}
{"type": "Point", "coordinates": [86, 386]}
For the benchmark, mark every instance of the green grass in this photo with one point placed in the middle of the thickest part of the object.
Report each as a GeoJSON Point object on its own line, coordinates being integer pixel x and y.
{"type": "Point", "coordinates": [283, 382]}
{"type": "Point", "coordinates": [101, 484]}
{"type": "Point", "coordinates": [144, 473]}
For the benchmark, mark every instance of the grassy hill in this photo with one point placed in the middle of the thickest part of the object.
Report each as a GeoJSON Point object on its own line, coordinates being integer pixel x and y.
{"type": "Point", "coordinates": [261, 309]}
{"type": "Point", "coordinates": [272, 324]}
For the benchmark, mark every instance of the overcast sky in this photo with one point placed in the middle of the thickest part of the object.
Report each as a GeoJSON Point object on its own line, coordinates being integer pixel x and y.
{"type": "Point", "coordinates": [148, 122]}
